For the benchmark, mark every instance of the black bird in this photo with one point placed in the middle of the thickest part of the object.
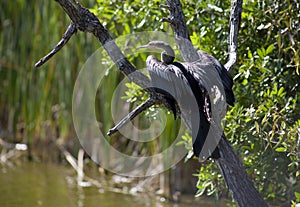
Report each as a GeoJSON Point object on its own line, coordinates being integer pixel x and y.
{"type": "Point", "coordinates": [183, 82]}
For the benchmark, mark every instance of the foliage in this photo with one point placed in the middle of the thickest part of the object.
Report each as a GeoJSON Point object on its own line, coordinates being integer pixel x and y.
{"type": "Point", "coordinates": [270, 146]}
{"type": "Point", "coordinates": [210, 182]}
{"type": "Point", "coordinates": [30, 98]}
{"type": "Point", "coordinates": [126, 17]}
{"type": "Point", "coordinates": [297, 200]}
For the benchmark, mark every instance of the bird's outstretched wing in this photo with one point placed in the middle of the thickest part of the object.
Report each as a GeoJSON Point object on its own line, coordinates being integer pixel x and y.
{"type": "Point", "coordinates": [169, 80]}
{"type": "Point", "coordinates": [175, 81]}
{"type": "Point", "coordinates": [201, 89]}
{"type": "Point", "coordinates": [225, 76]}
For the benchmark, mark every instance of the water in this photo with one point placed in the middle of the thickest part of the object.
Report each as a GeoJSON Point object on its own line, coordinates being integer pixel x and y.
{"type": "Point", "coordinates": [36, 184]}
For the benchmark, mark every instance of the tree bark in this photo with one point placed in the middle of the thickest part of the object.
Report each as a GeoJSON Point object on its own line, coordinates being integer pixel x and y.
{"type": "Point", "coordinates": [236, 178]}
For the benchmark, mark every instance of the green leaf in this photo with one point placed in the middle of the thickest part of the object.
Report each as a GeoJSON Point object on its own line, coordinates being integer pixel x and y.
{"type": "Point", "coordinates": [245, 81]}
{"type": "Point", "coordinates": [270, 49]}
{"type": "Point", "coordinates": [141, 23]}
{"type": "Point", "coordinates": [260, 53]}
{"type": "Point", "coordinates": [280, 92]}
{"type": "Point", "coordinates": [126, 28]}
{"type": "Point", "coordinates": [260, 27]}
{"type": "Point", "coordinates": [275, 90]}
{"type": "Point", "coordinates": [257, 127]}
{"type": "Point", "coordinates": [280, 149]}
{"type": "Point", "coordinates": [250, 54]}
{"type": "Point", "coordinates": [297, 195]}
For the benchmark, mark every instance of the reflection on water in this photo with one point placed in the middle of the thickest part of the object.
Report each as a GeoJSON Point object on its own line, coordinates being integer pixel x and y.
{"type": "Point", "coordinates": [37, 184]}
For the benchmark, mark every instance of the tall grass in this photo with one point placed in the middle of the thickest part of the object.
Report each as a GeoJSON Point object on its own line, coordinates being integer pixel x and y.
{"type": "Point", "coordinates": [37, 102]}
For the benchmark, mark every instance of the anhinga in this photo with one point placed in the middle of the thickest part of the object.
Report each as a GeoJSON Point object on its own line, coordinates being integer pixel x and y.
{"type": "Point", "coordinates": [180, 79]}
{"type": "Point", "coordinates": [167, 56]}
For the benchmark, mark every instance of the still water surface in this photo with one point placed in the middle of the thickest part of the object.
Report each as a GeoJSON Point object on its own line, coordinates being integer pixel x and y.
{"type": "Point", "coordinates": [36, 184]}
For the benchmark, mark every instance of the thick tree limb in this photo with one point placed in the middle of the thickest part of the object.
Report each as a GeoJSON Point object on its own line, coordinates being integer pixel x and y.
{"type": "Point", "coordinates": [236, 178]}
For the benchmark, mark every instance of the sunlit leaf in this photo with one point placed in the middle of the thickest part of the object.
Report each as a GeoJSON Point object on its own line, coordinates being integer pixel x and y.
{"type": "Point", "coordinates": [280, 149]}
{"type": "Point", "coordinates": [270, 49]}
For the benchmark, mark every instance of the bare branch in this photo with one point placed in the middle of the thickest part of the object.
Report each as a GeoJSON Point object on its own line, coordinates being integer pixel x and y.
{"type": "Point", "coordinates": [145, 105]}
{"type": "Point", "coordinates": [86, 21]}
{"type": "Point", "coordinates": [65, 38]}
{"type": "Point", "coordinates": [235, 18]}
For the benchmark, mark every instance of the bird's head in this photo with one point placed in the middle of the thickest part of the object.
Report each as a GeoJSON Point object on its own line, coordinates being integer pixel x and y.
{"type": "Point", "coordinates": [167, 56]}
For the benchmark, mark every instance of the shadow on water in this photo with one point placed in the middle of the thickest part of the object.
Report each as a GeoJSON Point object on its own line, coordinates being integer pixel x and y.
{"type": "Point", "coordinates": [38, 184]}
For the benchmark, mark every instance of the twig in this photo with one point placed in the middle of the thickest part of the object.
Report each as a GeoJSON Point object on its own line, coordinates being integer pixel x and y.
{"type": "Point", "coordinates": [169, 20]}
{"type": "Point", "coordinates": [235, 18]}
{"type": "Point", "coordinates": [65, 38]}
{"type": "Point", "coordinates": [80, 173]}
{"type": "Point", "coordinates": [78, 167]}
{"type": "Point", "coordinates": [145, 105]}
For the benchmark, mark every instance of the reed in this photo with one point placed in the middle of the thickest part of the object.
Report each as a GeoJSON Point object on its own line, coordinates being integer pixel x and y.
{"type": "Point", "coordinates": [37, 102]}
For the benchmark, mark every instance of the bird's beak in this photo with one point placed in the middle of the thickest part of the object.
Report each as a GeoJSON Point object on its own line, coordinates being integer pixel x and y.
{"type": "Point", "coordinates": [148, 48]}
{"type": "Point", "coordinates": [144, 46]}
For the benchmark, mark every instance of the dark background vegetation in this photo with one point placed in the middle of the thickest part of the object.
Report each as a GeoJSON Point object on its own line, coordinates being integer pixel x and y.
{"type": "Point", "coordinates": [263, 126]}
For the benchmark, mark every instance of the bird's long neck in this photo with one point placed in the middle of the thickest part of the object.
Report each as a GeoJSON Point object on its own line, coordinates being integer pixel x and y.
{"type": "Point", "coordinates": [167, 58]}
{"type": "Point", "coordinates": [168, 55]}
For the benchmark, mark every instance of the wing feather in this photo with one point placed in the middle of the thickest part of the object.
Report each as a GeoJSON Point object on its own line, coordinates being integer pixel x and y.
{"type": "Point", "coordinates": [199, 81]}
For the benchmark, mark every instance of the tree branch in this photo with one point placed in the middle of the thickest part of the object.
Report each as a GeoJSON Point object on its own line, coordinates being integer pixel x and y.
{"type": "Point", "coordinates": [177, 21]}
{"type": "Point", "coordinates": [86, 21]}
{"type": "Point", "coordinates": [65, 38]}
{"type": "Point", "coordinates": [235, 19]}
{"type": "Point", "coordinates": [236, 178]}
{"type": "Point", "coordinates": [145, 105]}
